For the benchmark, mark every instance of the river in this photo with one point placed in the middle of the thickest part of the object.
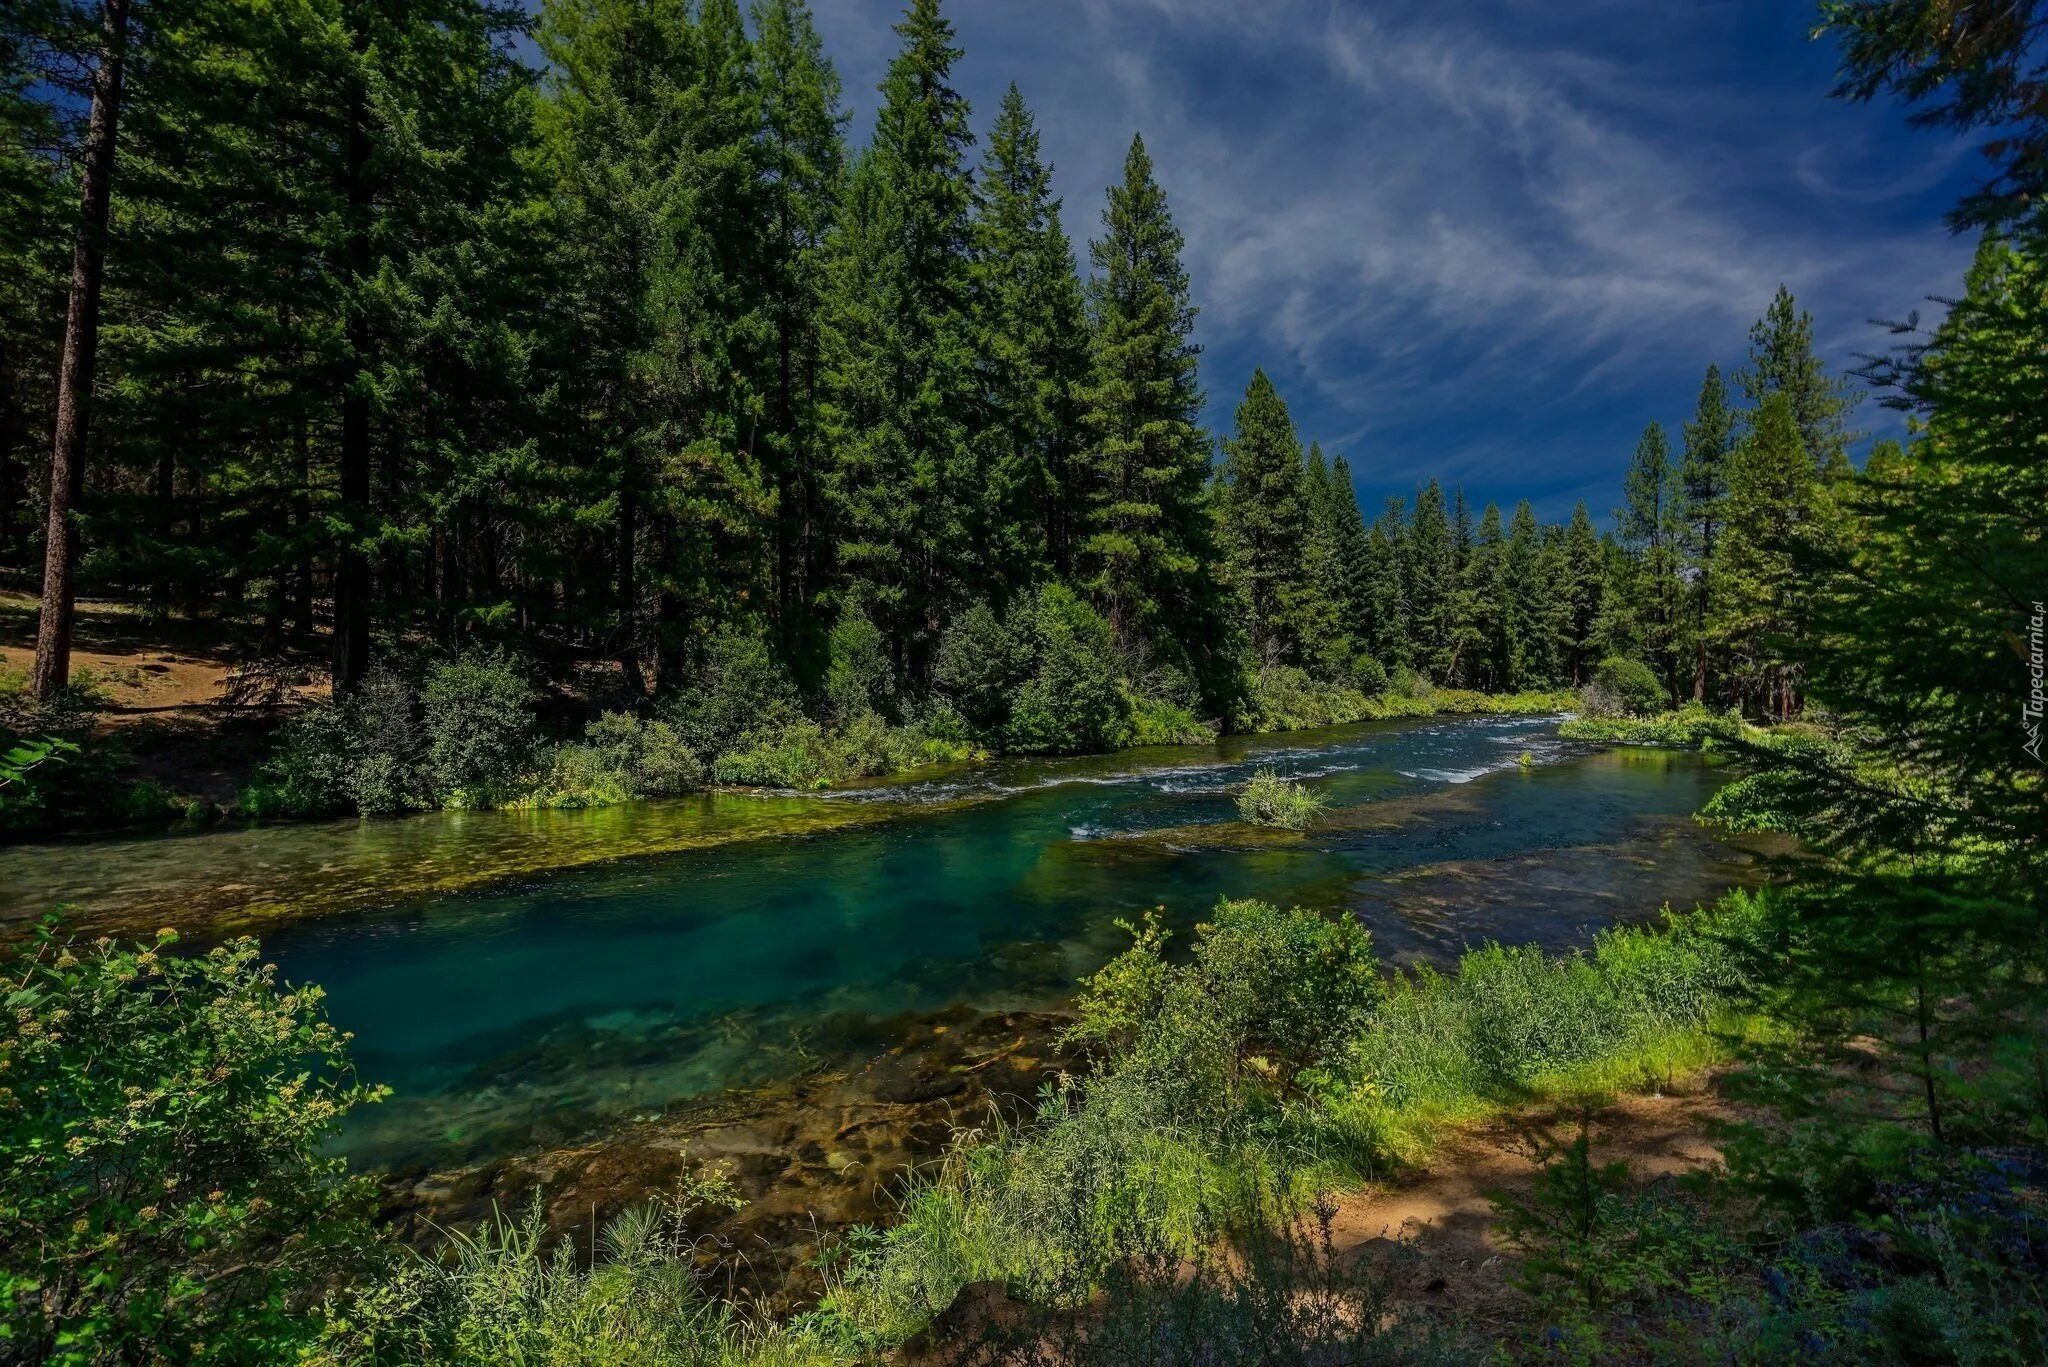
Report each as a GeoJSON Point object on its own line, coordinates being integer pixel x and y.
{"type": "Point", "coordinates": [521, 979]}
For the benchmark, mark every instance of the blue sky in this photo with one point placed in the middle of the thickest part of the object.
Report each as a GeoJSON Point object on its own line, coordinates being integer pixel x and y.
{"type": "Point", "coordinates": [1485, 240]}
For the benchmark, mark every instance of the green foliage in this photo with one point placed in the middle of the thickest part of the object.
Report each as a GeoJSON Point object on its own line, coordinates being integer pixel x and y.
{"type": "Point", "coordinates": [1270, 800]}
{"type": "Point", "coordinates": [501, 1294]}
{"type": "Point", "coordinates": [1691, 725]}
{"type": "Point", "coordinates": [1072, 701]}
{"type": "Point", "coordinates": [859, 679]}
{"type": "Point", "coordinates": [983, 659]}
{"type": "Point", "coordinates": [477, 718]}
{"type": "Point", "coordinates": [1622, 687]}
{"type": "Point", "coordinates": [739, 690]}
{"type": "Point", "coordinates": [165, 1190]}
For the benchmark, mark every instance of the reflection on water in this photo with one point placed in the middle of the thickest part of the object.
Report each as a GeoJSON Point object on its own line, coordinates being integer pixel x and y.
{"type": "Point", "coordinates": [533, 1010]}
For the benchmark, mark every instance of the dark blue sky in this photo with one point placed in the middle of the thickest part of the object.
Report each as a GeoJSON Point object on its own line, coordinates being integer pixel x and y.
{"type": "Point", "coordinates": [1485, 240]}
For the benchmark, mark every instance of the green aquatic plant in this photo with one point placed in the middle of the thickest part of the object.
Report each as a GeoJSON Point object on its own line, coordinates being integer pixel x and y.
{"type": "Point", "coordinates": [1270, 800]}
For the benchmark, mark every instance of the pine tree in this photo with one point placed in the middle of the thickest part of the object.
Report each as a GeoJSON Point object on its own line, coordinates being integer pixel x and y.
{"type": "Point", "coordinates": [1145, 553]}
{"type": "Point", "coordinates": [1581, 577]}
{"type": "Point", "coordinates": [1529, 609]}
{"type": "Point", "coordinates": [1782, 360]}
{"type": "Point", "coordinates": [1759, 613]}
{"type": "Point", "coordinates": [1488, 626]}
{"type": "Point", "coordinates": [1429, 580]}
{"type": "Point", "coordinates": [1354, 561]}
{"type": "Point", "coordinates": [1703, 481]}
{"type": "Point", "coordinates": [802, 161]}
{"type": "Point", "coordinates": [1266, 524]}
{"type": "Point", "coordinates": [899, 372]}
{"type": "Point", "coordinates": [1032, 346]}
{"type": "Point", "coordinates": [1650, 523]}
{"type": "Point", "coordinates": [1384, 590]}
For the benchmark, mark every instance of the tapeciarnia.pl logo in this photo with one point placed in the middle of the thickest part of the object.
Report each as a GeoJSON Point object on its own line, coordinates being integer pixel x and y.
{"type": "Point", "coordinates": [2030, 711]}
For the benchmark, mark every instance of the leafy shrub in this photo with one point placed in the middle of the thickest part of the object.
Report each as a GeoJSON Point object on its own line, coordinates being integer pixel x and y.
{"type": "Point", "coordinates": [1691, 725]}
{"type": "Point", "coordinates": [860, 678]}
{"type": "Point", "coordinates": [983, 661]}
{"type": "Point", "coordinates": [1160, 721]}
{"type": "Point", "coordinates": [165, 1192]}
{"type": "Point", "coordinates": [1270, 800]}
{"type": "Point", "coordinates": [649, 755]}
{"type": "Point", "coordinates": [386, 753]}
{"type": "Point", "coordinates": [501, 1294]}
{"type": "Point", "coordinates": [477, 713]}
{"type": "Point", "coordinates": [798, 755]}
{"type": "Point", "coordinates": [1624, 687]}
{"type": "Point", "coordinates": [739, 692]}
{"type": "Point", "coordinates": [1072, 703]}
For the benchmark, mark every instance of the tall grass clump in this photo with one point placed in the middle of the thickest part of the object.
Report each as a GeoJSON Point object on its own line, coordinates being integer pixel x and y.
{"type": "Point", "coordinates": [505, 1293]}
{"type": "Point", "coordinates": [1512, 1024]}
{"type": "Point", "coordinates": [1270, 800]}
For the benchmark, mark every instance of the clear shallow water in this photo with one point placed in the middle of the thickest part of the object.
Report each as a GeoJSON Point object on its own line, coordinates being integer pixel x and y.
{"type": "Point", "coordinates": [539, 1010]}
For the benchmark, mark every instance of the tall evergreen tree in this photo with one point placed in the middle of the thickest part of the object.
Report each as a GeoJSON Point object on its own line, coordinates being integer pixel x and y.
{"type": "Point", "coordinates": [1145, 552]}
{"type": "Point", "coordinates": [1031, 342]}
{"type": "Point", "coordinates": [1782, 361]}
{"type": "Point", "coordinates": [1488, 626]}
{"type": "Point", "coordinates": [1759, 614]}
{"type": "Point", "coordinates": [1529, 603]}
{"type": "Point", "coordinates": [1266, 523]}
{"type": "Point", "coordinates": [1581, 578]}
{"type": "Point", "coordinates": [1650, 523]}
{"type": "Point", "coordinates": [900, 384]}
{"type": "Point", "coordinates": [1384, 588]}
{"type": "Point", "coordinates": [802, 161]}
{"type": "Point", "coordinates": [1703, 481]}
{"type": "Point", "coordinates": [1429, 579]}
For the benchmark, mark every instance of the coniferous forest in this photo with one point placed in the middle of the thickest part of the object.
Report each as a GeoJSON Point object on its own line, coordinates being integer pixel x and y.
{"type": "Point", "coordinates": [568, 407]}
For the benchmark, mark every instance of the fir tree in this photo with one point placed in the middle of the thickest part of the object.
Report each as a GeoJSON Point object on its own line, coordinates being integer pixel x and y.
{"type": "Point", "coordinates": [1032, 345]}
{"type": "Point", "coordinates": [1650, 523]}
{"type": "Point", "coordinates": [1760, 607]}
{"type": "Point", "coordinates": [1145, 552]}
{"type": "Point", "coordinates": [1266, 523]}
{"type": "Point", "coordinates": [802, 159]}
{"type": "Point", "coordinates": [1581, 577]}
{"type": "Point", "coordinates": [1703, 481]}
{"type": "Point", "coordinates": [1782, 361]}
{"type": "Point", "coordinates": [899, 371]}
{"type": "Point", "coordinates": [1488, 627]}
{"type": "Point", "coordinates": [1386, 585]}
{"type": "Point", "coordinates": [1529, 608]}
{"type": "Point", "coordinates": [1429, 581]}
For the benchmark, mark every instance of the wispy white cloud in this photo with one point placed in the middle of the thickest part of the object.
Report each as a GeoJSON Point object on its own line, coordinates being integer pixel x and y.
{"type": "Point", "coordinates": [1427, 220]}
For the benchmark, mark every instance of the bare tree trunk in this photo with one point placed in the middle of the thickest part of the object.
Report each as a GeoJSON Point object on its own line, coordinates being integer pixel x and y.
{"type": "Point", "coordinates": [629, 584]}
{"type": "Point", "coordinates": [75, 367]}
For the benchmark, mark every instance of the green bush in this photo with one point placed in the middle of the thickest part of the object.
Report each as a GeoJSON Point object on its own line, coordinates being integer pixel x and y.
{"type": "Point", "coordinates": [798, 755]}
{"type": "Point", "coordinates": [1625, 687]}
{"type": "Point", "coordinates": [166, 1193]}
{"type": "Point", "coordinates": [860, 679]}
{"type": "Point", "coordinates": [477, 715]}
{"type": "Point", "coordinates": [1072, 703]}
{"type": "Point", "coordinates": [648, 755]}
{"type": "Point", "coordinates": [1691, 725]}
{"type": "Point", "coordinates": [1160, 721]}
{"type": "Point", "coordinates": [738, 693]}
{"type": "Point", "coordinates": [385, 750]}
{"type": "Point", "coordinates": [1270, 800]}
{"type": "Point", "coordinates": [983, 661]}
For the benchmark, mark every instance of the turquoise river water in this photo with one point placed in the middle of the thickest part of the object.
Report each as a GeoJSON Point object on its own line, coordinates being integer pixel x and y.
{"type": "Point", "coordinates": [544, 1004]}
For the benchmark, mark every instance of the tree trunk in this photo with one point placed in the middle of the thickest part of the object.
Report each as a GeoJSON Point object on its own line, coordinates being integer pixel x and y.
{"type": "Point", "coordinates": [75, 367]}
{"type": "Point", "coordinates": [352, 566]}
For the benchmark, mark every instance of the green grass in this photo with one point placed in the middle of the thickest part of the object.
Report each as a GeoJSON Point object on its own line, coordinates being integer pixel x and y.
{"type": "Point", "coordinates": [1689, 726]}
{"type": "Point", "coordinates": [1270, 800]}
{"type": "Point", "coordinates": [1119, 1164]}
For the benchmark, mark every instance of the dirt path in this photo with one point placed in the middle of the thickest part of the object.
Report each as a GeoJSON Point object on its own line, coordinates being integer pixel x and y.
{"type": "Point", "coordinates": [1443, 1210]}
